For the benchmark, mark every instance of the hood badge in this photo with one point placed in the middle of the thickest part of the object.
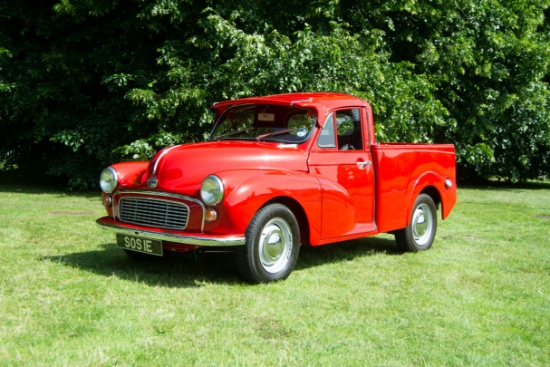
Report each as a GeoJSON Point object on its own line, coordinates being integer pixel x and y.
{"type": "Point", "coordinates": [152, 182]}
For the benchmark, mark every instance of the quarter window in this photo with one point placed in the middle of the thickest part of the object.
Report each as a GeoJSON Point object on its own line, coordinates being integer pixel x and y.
{"type": "Point", "coordinates": [327, 139]}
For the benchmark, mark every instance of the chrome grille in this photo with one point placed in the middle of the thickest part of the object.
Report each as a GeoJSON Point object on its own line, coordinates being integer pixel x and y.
{"type": "Point", "coordinates": [153, 212]}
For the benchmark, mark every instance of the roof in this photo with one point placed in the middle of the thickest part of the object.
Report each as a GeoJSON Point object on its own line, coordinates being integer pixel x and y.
{"type": "Point", "coordinates": [318, 100]}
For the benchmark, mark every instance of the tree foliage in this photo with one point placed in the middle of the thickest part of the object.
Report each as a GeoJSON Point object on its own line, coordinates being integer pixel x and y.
{"type": "Point", "coordinates": [86, 83]}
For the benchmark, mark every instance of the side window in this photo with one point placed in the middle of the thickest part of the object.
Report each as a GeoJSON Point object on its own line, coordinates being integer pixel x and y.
{"type": "Point", "coordinates": [327, 139]}
{"type": "Point", "coordinates": [348, 124]}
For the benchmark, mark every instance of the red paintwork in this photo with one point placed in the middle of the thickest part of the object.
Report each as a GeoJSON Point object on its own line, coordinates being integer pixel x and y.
{"type": "Point", "coordinates": [403, 171]}
{"type": "Point", "coordinates": [333, 197]}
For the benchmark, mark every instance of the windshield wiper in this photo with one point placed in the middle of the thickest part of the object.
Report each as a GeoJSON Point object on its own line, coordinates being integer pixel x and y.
{"type": "Point", "coordinates": [219, 137]}
{"type": "Point", "coordinates": [273, 133]}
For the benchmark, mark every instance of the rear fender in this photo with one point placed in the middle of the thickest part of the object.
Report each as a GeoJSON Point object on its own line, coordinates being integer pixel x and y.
{"type": "Point", "coordinates": [434, 185]}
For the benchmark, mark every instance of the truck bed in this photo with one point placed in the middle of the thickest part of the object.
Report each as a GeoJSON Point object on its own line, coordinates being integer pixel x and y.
{"type": "Point", "coordinates": [401, 169]}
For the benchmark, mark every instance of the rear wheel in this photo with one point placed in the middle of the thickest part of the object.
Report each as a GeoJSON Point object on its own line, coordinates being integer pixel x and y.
{"type": "Point", "coordinates": [420, 233]}
{"type": "Point", "coordinates": [272, 245]}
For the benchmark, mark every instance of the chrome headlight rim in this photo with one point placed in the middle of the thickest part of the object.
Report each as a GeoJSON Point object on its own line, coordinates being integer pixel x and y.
{"type": "Point", "coordinates": [108, 180]}
{"type": "Point", "coordinates": [212, 190]}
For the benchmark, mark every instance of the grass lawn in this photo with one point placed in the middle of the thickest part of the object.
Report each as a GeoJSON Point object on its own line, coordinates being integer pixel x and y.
{"type": "Point", "coordinates": [479, 297]}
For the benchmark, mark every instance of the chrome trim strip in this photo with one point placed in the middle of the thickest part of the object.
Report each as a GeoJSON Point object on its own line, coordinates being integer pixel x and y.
{"type": "Point", "coordinates": [163, 194]}
{"type": "Point", "coordinates": [207, 240]}
{"type": "Point", "coordinates": [160, 157]}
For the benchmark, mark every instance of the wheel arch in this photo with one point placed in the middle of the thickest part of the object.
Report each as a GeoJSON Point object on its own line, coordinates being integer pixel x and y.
{"type": "Point", "coordinates": [298, 211]}
{"type": "Point", "coordinates": [434, 193]}
{"type": "Point", "coordinates": [429, 190]}
{"type": "Point", "coordinates": [296, 190]}
{"type": "Point", "coordinates": [430, 184]}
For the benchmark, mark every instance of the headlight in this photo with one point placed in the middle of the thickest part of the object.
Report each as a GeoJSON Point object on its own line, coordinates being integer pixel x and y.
{"type": "Point", "coordinates": [108, 180]}
{"type": "Point", "coordinates": [212, 190]}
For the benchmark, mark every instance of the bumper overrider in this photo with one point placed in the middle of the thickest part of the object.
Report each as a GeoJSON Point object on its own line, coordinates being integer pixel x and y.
{"type": "Point", "coordinates": [197, 239]}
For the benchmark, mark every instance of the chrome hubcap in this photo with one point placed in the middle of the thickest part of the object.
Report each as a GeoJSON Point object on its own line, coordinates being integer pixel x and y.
{"type": "Point", "coordinates": [275, 245]}
{"type": "Point", "coordinates": [422, 224]}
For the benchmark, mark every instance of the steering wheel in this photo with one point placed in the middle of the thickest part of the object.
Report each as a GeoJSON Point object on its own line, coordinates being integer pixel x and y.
{"type": "Point", "coordinates": [348, 147]}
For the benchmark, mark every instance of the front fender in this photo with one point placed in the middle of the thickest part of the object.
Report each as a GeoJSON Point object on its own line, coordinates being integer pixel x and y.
{"type": "Point", "coordinates": [248, 190]}
{"type": "Point", "coordinates": [130, 174]}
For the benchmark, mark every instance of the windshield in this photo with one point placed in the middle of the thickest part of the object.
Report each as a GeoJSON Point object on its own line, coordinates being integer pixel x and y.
{"type": "Point", "coordinates": [284, 124]}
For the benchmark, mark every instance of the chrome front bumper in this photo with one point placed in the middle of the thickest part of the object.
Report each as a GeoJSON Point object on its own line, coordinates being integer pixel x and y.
{"type": "Point", "coordinates": [196, 239]}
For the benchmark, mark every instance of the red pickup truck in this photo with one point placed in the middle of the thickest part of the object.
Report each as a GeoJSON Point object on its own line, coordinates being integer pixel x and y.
{"type": "Point", "coordinates": [278, 172]}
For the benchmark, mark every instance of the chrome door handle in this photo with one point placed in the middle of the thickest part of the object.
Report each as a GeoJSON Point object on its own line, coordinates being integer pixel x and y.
{"type": "Point", "coordinates": [363, 164]}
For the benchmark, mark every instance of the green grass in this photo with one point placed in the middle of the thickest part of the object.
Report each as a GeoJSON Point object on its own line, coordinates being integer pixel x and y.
{"type": "Point", "coordinates": [479, 297]}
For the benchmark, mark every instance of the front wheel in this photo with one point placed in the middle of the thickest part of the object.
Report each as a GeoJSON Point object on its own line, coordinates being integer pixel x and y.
{"type": "Point", "coordinates": [272, 245]}
{"type": "Point", "coordinates": [420, 233]}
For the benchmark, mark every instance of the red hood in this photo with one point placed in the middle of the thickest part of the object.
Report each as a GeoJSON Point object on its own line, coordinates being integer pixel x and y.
{"type": "Point", "coordinates": [183, 168]}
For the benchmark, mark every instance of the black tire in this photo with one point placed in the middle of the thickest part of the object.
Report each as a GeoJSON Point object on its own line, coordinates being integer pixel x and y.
{"type": "Point", "coordinates": [272, 245]}
{"type": "Point", "coordinates": [420, 233]}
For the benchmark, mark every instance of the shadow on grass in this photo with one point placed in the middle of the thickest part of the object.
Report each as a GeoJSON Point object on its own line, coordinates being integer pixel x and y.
{"type": "Point", "coordinates": [12, 183]}
{"type": "Point", "coordinates": [505, 185]}
{"type": "Point", "coordinates": [194, 268]}
{"type": "Point", "coordinates": [344, 251]}
{"type": "Point", "coordinates": [30, 189]}
{"type": "Point", "coordinates": [189, 269]}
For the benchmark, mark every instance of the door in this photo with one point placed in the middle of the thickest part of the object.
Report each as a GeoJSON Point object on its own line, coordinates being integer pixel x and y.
{"type": "Point", "coordinates": [343, 163]}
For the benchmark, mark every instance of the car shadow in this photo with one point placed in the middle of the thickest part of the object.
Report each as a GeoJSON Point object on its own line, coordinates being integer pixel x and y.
{"type": "Point", "coordinates": [311, 256]}
{"type": "Point", "coordinates": [177, 270]}
{"type": "Point", "coordinates": [197, 268]}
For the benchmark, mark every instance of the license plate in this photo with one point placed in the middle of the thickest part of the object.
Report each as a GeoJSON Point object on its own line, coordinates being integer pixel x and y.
{"type": "Point", "coordinates": [139, 244]}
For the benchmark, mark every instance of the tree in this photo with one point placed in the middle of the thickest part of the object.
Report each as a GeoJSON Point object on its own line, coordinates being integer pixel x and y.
{"type": "Point", "coordinates": [87, 83]}
{"type": "Point", "coordinates": [489, 63]}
